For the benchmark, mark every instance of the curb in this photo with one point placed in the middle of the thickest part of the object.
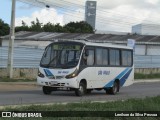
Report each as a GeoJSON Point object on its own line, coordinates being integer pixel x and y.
{"type": "Point", "coordinates": [146, 81]}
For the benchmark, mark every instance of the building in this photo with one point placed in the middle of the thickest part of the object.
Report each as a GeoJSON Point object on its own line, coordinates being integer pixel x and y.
{"type": "Point", "coordinates": [146, 49]}
{"type": "Point", "coordinates": [29, 48]}
{"type": "Point", "coordinates": [146, 29]}
{"type": "Point", "coordinates": [90, 13]}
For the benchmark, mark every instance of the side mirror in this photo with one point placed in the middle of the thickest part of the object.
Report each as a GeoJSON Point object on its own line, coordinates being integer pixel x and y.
{"type": "Point", "coordinates": [86, 53]}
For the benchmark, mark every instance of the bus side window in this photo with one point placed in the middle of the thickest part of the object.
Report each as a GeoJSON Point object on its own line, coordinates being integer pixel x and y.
{"type": "Point", "coordinates": [88, 57]}
{"type": "Point", "coordinates": [126, 58]}
{"type": "Point", "coordinates": [114, 57]}
{"type": "Point", "coordinates": [47, 56]}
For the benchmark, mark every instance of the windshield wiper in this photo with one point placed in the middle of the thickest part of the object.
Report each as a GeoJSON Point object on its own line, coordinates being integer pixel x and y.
{"type": "Point", "coordinates": [52, 60]}
{"type": "Point", "coordinates": [57, 56]}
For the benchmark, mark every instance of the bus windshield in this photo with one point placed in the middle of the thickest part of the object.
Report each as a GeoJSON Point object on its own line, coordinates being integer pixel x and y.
{"type": "Point", "coordinates": [60, 55]}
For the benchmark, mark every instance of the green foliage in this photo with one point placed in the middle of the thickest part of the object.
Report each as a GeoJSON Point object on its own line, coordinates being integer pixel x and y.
{"type": "Point", "coordinates": [58, 28]}
{"type": "Point", "coordinates": [72, 27]}
{"type": "Point", "coordinates": [146, 76]}
{"type": "Point", "coordinates": [147, 104]}
{"type": "Point", "coordinates": [4, 28]}
{"type": "Point", "coordinates": [121, 105]}
{"type": "Point", "coordinates": [24, 27]}
{"type": "Point", "coordinates": [49, 27]}
{"type": "Point", "coordinates": [78, 27]}
{"type": "Point", "coordinates": [36, 26]}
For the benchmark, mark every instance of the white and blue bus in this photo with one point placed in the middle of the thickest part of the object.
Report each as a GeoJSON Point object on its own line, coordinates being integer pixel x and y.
{"type": "Point", "coordinates": [82, 66]}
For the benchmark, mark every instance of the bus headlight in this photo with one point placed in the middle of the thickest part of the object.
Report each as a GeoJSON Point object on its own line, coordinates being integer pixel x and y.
{"type": "Point", "coordinates": [72, 75]}
{"type": "Point", "coordinates": [40, 74]}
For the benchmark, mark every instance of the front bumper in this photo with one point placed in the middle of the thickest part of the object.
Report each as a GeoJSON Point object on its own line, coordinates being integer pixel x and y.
{"type": "Point", "coordinates": [60, 83]}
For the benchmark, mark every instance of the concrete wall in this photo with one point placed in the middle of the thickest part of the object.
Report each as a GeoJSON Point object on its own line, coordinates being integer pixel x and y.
{"type": "Point", "coordinates": [32, 72]}
{"type": "Point", "coordinates": [21, 73]}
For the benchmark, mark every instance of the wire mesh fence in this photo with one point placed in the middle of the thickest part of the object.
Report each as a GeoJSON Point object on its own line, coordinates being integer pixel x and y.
{"type": "Point", "coordinates": [30, 58]}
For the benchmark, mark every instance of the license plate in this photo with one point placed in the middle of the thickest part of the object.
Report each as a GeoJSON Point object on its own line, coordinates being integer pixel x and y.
{"type": "Point", "coordinates": [54, 82]}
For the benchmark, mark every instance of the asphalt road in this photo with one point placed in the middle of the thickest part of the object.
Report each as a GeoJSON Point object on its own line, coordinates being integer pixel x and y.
{"type": "Point", "coordinates": [35, 96]}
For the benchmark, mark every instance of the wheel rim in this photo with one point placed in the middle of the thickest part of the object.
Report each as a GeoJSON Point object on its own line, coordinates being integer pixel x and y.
{"type": "Point", "coordinates": [81, 89]}
{"type": "Point", "coordinates": [115, 88]}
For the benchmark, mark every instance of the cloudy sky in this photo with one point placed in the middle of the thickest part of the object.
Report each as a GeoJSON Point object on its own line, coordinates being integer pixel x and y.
{"type": "Point", "coordinates": [112, 15]}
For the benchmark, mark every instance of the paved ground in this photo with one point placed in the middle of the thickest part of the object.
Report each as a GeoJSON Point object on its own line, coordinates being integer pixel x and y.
{"type": "Point", "coordinates": [17, 86]}
{"type": "Point", "coordinates": [17, 94]}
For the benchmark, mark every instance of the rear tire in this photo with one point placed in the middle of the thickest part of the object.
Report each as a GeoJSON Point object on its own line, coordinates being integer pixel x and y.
{"type": "Point", "coordinates": [47, 90]}
{"type": "Point", "coordinates": [113, 90]}
{"type": "Point", "coordinates": [88, 91]}
{"type": "Point", "coordinates": [81, 90]}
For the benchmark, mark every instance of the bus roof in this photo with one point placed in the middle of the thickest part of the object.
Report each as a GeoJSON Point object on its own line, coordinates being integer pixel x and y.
{"type": "Point", "coordinates": [98, 44]}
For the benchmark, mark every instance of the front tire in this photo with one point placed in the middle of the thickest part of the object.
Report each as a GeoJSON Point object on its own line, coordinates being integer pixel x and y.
{"type": "Point", "coordinates": [81, 90]}
{"type": "Point", "coordinates": [47, 90]}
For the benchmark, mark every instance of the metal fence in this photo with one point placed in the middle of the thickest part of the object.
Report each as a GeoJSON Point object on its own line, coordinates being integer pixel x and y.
{"type": "Point", "coordinates": [30, 58]}
{"type": "Point", "coordinates": [148, 61]}
{"type": "Point", "coordinates": [23, 57]}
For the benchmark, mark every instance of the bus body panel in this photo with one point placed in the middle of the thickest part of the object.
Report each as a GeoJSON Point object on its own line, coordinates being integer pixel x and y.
{"type": "Point", "coordinates": [104, 77]}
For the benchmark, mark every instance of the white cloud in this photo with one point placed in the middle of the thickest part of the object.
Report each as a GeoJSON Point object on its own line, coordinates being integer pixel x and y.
{"type": "Point", "coordinates": [44, 16]}
{"type": "Point", "coordinates": [154, 2]}
{"type": "Point", "coordinates": [115, 15]}
{"type": "Point", "coordinates": [123, 17]}
{"type": "Point", "coordinates": [77, 15]}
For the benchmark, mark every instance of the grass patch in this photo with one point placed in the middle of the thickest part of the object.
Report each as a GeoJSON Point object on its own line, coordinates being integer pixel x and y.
{"type": "Point", "coordinates": [146, 76]}
{"type": "Point", "coordinates": [147, 104]}
{"type": "Point", "coordinates": [4, 79]}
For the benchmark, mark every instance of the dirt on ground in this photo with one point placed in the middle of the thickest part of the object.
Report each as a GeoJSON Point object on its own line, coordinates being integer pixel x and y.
{"type": "Point", "coordinates": [17, 87]}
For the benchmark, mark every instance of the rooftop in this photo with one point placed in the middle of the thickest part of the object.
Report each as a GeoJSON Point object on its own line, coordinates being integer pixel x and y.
{"type": "Point", "coordinates": [49, 36]}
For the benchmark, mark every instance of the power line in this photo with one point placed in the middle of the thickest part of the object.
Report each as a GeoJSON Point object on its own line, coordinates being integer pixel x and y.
{"type": "Point", "coordinates": [100, 19]}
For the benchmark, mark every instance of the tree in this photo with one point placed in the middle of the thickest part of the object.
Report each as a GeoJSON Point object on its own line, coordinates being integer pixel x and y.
{"type": "Point", "coordinates": [36, 26]}
{"type": "Point", "coordinates": [72, 27]}
{"type": "Point", "coordinates": [4, 28]}
{"type": "Point", "coordinates": [23, 23]}
{"type": "Point", "coordinates": [58, 28]}
{"type": "Point", "coordinates": [24, 27]}
{"type": "Point", "coordinates": [49, 27]}
{"type": "Point", "coordinates": [78, 27]}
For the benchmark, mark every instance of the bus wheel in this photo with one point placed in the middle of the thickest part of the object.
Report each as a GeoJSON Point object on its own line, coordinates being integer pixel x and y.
{"type": "Point", "coordinates": [88, 91]}
{"type": "Point", "coordinates": [113, 90]}
{"type": "Point", "coordinates": [47, 90]}
{"type": "Point", "coordinates": [54, 89]}
{"type": "Point", "coordinates": [81, 90]}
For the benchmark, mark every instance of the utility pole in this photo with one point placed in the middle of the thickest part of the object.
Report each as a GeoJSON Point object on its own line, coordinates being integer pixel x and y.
{"type": "Point", "coordinates": [11, 41]}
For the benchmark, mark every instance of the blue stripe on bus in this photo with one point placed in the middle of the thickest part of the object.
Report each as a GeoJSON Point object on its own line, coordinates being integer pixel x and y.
{"type": "Point", "coordinates": [48, 72]}
{"type": "Point", "coordinates": [122, 77]}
